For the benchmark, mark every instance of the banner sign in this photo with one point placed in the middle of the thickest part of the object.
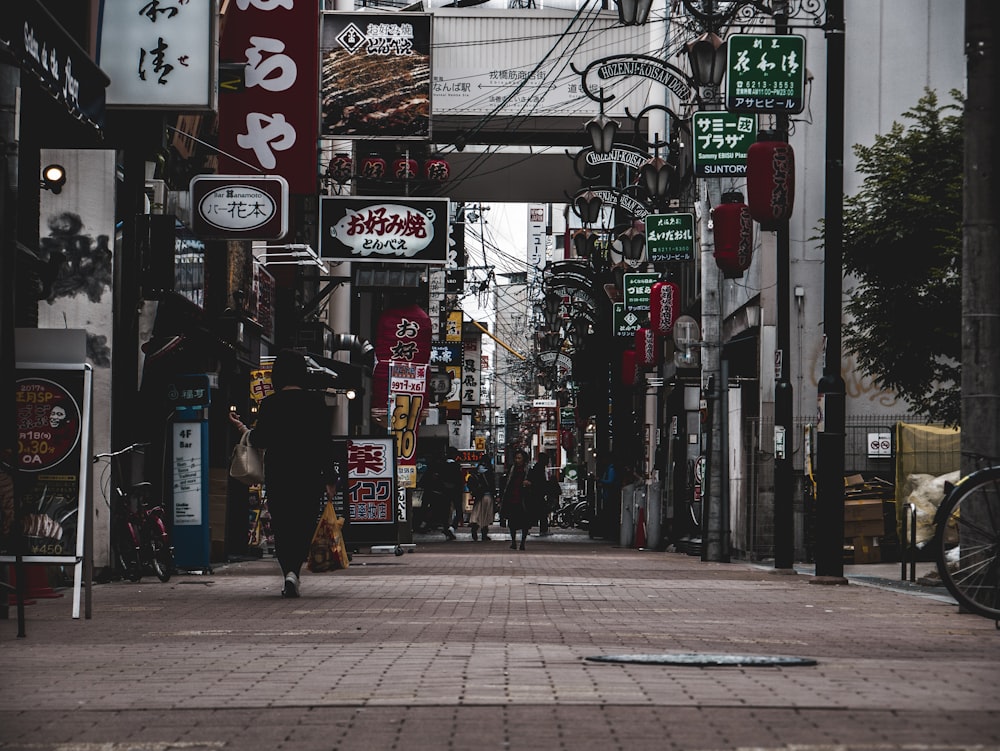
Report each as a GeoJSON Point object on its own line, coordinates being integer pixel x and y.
{"type": "Point", "coordinates": [720, 141]}
{"type": "Point", "coordinates": [159, 54]}
{"type": "Point", "coordinates": [765, 73]}
{"type": "Point", "coordinates": [376, 80]}
{"type": "Point", "coordinates": [407, 386]}
{"type": "Point", "coordinates": [239, 207]}
{"type": "Point", "coordinates": [53, 457]}
{"type": "Point", "coordinates": [387, 230]}
{"type": "Point", "coordinates": [472, 373]}
{"type": "Point", "coordinates": [371, 481]}
{"type": "Point", "coordinates": [669, 237]}
{"type": "Point", "coordinates": [271, 125]}
{"type": "Point", "coordinates": [637, 288]}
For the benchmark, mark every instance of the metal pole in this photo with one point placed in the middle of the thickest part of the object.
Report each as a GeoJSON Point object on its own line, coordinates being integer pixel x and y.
{"type": "Point", "coordinates": [784, 527]}
{"type": "Point", "coordinates": [831, 391]}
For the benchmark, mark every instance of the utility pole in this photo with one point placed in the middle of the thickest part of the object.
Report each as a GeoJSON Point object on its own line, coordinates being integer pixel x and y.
{"type": "Point", "coordinates": [981, 239]}
{"type": "Point", "coordinates": [784, 528]}
{"type": "Point", "coordinates": [831, 391]}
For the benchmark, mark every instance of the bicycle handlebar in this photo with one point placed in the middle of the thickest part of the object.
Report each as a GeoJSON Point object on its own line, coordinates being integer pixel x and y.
{"type": "Point", "coordinates": [127, 449]}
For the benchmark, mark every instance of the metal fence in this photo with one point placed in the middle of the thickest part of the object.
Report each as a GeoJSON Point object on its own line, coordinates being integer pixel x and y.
{"type": "Point", "coordinates": [869, 450]}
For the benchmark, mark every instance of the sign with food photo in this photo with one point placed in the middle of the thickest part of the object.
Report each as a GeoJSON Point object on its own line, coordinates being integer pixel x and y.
{"type": "Point", "coordinates": [375, 75]}
{"type": "Point", "coordinates": [384, 229]}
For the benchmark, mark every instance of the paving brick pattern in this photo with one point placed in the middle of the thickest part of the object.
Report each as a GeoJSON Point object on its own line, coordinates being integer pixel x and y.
{"type": "Point", "coordinates": [466, 645]}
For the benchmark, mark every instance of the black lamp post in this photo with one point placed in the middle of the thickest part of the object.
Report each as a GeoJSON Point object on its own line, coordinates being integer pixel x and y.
{"type": "Point", "coordinates": [656, 177]}
{"type": "Point", "coordinates": [633, 243]}
{"type": "Point", "coordinates": [602, 130]}
{"type": "Point", "coordinates": [588, 206]}
{"type": "Point", "coordinates": [634, 12]}
{"type": "Point", "coordinates": [707, 56]}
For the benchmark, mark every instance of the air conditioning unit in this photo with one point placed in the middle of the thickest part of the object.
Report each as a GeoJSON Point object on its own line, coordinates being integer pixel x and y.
{"type": "Point", "coordinates": [156, 197]}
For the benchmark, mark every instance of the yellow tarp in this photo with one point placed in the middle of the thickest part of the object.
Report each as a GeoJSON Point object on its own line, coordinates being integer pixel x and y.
{"type": "Point", "coordinates": [923, 450]}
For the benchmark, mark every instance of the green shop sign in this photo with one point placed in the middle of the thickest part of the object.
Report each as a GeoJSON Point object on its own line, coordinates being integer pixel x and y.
{"type": "Point", "coordinates": [624, 322]}
{"type": "Point", "coordinates": [669, 237]}
{"type": "Point", "coordinates": [637, 288]}
{"type": "Point", "coordinates": [721, 141]}
{"type": "Point", "coordinates": [766, 73]}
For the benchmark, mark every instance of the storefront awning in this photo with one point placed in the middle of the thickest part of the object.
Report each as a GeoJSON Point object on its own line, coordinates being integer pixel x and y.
{"type": "Point", "coordinates": [34, 41]}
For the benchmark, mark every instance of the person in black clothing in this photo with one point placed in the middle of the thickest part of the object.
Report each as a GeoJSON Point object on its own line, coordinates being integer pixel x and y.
{"type": "Point", "coordinates": [293, 429]}
{"type": "Point", "coordinates": [444, 481]}
{"type": "Point", "coordinates": [514, 500]}
{"type": "Point", "coordinates": [539, 489]}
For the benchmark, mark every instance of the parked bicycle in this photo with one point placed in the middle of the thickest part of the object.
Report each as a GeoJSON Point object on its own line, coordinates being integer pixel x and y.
{"type": "Point", "coordinates": [575, 513]}
{"type": "Point", "coordinates": [967, 539]}
{"type": "Point", "coordinates": [139, 536]}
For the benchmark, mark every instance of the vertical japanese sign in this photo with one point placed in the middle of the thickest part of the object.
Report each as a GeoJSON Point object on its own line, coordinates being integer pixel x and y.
{"type": "Point", "coordinates": [720, 141]}
{"type": "Point", "coordinates": [371, 481]}
{"type": "Point", "coordinates": [159, 54]}
{"type": "Point", "coordinates": [471, 372]}
{"type": "Point", "coordinates": [376, 80]}
{"type": "Point", "coordinates": [272, 122]}
{"type": "Point", "coordinates": [536, 236]}
{"type": "Point", "coordinates": [407, 391]}
{"type": "Point", "coordinates": [445, 378]}
{"type": "Point", "coordinates": [766, 73]}
{"type": "Point", "coordinates": [52, 446]}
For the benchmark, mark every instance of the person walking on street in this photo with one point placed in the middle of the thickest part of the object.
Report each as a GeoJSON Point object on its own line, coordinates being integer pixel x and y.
{"type": "Point", "coordinates": [293, 429]}
{"type": "Point", "coordinates": [445, 483]}
{"type": "Point", "coordinates": [539, 492]}
{"type": "Point", "coordinates": [481, 483]}
{"type": "Point", "coordinates": [514, 501]}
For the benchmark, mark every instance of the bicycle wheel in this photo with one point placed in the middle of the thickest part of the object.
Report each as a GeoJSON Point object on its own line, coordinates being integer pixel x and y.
{"type": "Point", "coordinates": [161, 557]}
{"type": "Point", "coordinates": [967, 542]}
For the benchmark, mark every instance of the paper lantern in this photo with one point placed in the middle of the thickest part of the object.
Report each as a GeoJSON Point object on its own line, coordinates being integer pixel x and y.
{"type": "Point", "coordinates": [436, 170]}
{"type": "Point", "coordinates": [374, 167]}
{"type": "Point", "coordinates": [647, 347]}
{"type": "Point", "coordinates": [341, 168]}
{"type": "Point", "coordinates": [733, 235]}
{"type": "Point", "coordinates": [630, 369]}
{"type": "Point", "coordinates": [770, 182]}
{"type": "Point", "coordinates": [404, 168]}
{"type": "Point", "coordinates": [404, 334]}
{"type": "Point", "coordinates": [664, 306]}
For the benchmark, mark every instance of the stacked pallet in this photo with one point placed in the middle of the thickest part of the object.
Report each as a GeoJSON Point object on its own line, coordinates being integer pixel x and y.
{"type": "Point", "coordinates": [865, 503]}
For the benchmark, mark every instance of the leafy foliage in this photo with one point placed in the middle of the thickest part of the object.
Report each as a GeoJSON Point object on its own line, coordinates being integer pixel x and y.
{"type": "Point", "coordinates": [903, 243]}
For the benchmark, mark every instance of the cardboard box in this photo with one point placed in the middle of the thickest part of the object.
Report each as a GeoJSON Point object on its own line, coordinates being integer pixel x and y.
{"type": "Point", "coordinates": [863, 510]}
{"type": "Point", "coordinates": [864, 528]}
{"type": "Point", "coordinates": [866, 550]}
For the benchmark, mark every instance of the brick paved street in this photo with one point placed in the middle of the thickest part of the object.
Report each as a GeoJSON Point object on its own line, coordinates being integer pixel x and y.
{"type": "Point", "coordinates": [468, 645]}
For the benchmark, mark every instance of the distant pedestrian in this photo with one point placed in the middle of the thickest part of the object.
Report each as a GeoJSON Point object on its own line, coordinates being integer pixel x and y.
{"type": "Point", "coordinates": [445, 484]}
{"type": "Point", "coordinates": [514, 501]}
{"type": "Point", "coordinates": [293, 427]}
{"type": "Point", "coordinates": [481, 483]}
{"type": "Point", "coordinates": [539, 491]}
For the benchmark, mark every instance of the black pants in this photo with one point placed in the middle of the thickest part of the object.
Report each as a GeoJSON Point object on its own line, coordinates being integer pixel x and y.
{"type": "Point", "coordinates": [294, 514]}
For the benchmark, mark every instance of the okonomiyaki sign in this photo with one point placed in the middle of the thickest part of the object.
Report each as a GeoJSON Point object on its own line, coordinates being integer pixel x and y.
{"type": "Point", "coordinates": [374, 229]}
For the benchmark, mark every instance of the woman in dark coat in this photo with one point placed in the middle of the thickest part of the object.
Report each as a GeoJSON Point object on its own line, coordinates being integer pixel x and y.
{"type": "Point", "coordinates": [514, 500]}
{"type": "Point", "coordinates": [293, 428]}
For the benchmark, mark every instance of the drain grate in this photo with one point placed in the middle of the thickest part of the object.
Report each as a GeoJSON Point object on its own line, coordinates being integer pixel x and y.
{"type": "Point", "coordinates": [708, 660]}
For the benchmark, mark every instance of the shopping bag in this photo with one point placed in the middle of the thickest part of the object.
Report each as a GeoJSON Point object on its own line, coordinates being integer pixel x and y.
{"type": "Point", "coordinates": [247, 465]}
{"type": "Point", "coordinates": [328, 551]}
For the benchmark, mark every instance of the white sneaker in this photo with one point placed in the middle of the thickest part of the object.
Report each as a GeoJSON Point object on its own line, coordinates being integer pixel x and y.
{"type": "Point", "coordinates": [291, 585]}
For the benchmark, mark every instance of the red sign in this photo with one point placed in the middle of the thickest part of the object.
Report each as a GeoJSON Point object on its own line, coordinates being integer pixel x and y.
{"type": "Point", "coordinates": [272, 124]}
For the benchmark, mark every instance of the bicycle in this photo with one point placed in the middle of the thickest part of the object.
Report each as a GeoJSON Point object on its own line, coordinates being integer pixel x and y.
{"type": "Point", "coordinates": [572, 514]}
{"type": "Point", "coordinates": [967, 539]}
{"type": "Point", "coordinates": [139, 536]}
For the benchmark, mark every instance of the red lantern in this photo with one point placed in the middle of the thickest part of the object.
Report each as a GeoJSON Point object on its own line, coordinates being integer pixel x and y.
{"type": "Point", "coordinates": [436, 170]}
{"type": "Point", "coordinates": [770, 181]}
{"type": "Point", "coordinates": [373, 167]}
{"type": "Point", "coordinates": [733, 235]}
{"type": "Point", "coordinates": [341, 168]}
{"type": "Point", "coordinates": [664, 306]}
{"type": "Point", "coordinates": [630, 370]}
{"type": "Point", "coordinates": [401, 334]}
{"type": "Point", "coordinates": [647, 348]}
{"type": "Point", "coordinates": [404, 168]}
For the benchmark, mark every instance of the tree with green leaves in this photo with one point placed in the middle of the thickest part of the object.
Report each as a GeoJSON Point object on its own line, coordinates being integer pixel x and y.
{"type": "Point", "coordinates": [903, 246]}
